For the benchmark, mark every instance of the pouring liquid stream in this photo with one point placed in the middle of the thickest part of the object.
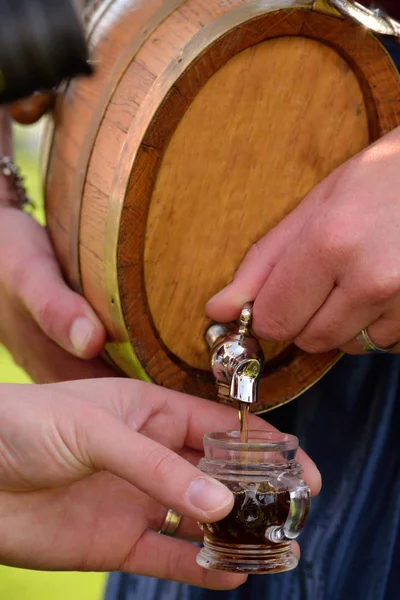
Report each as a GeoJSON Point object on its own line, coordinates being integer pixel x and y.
{"type": "Point", "coordinates": [244, 422]}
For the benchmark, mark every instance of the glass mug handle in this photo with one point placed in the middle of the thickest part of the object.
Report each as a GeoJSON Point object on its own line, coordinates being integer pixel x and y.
{"type": "Point", "coordinates": [298, 511]}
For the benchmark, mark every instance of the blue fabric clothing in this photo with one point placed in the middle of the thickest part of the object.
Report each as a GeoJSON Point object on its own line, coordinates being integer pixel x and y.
{"type": "Point", "coordinates": [349, 423]}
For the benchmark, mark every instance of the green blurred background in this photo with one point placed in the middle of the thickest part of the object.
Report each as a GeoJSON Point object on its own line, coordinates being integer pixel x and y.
{"type": "Point", "coordinates": [16, 584]}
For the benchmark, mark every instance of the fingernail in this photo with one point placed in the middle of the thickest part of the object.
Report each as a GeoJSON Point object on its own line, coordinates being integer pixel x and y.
{"type": "Point", "coordinates": [80, 334]}
{"type": "Point", "coordinates": [209, 495]}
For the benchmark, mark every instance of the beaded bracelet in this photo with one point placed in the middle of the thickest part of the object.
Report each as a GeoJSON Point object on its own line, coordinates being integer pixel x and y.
{"type": "Point", "coordinates": [12, 172]}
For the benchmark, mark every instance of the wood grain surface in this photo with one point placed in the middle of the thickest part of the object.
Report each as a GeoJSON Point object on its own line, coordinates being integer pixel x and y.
{"type": "Point", "coordinates": [207, 122]}
{"type": "Point", "coordinates": [244, 155]}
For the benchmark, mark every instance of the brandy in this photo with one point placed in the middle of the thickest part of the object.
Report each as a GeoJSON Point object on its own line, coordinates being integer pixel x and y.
{"type": "Point", "coordinates": [257, 507]}
{"type": "Point", "coordinates": [271, 502]}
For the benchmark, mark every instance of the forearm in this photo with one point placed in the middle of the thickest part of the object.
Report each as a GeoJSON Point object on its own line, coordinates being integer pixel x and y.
{"type": "Point", "coordinates": [7, 192]}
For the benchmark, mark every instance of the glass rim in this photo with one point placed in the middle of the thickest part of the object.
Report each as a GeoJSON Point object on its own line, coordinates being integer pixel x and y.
{"type": "Point", "coordinates": [259, 441]}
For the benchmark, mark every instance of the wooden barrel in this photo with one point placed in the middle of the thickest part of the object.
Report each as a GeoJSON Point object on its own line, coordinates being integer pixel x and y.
{"type": "Point", "coordinates": [207, 122]}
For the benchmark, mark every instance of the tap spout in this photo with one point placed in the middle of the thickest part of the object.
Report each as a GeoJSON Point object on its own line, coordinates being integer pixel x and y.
{"type": "Point", "coordinates": [237, 359]}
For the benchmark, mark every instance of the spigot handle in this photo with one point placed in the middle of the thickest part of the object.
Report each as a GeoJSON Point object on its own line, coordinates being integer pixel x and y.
{"type": "Point", "coordinates": [245, 319]}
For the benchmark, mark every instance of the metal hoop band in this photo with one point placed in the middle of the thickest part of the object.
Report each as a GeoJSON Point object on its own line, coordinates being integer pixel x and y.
{"type": "Point", "coordinates": [171, 523]}
{"type": "Point", "coordinates": [368, 345]}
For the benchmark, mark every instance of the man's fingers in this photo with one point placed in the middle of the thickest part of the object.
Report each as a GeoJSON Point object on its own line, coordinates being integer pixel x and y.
{"type": "Point", "coordinates": [170, 479]}
{"type": "Point", "coordinates": [337, 322]}
{"type": "Point", "coordinates": [264, 255]}
{"type": "Point", "coordinates": [189, 418]}
{"type": "Point", "coordinates": [277, 314]}
{"type": "Point", "coordinates": [384, 332]}
{"type": "Point", "coordinates": [189, 530]}
{"type": "Point", "coordinates": [296, 550]}
{"type": "Point", "coordinates": [65, 317]}
{"type": "Point", "coordinates": [32, 276]}
{"type": "Point", "coordinates": [154, 469]}
{"type": "Point", "coordinates": [49, 363]}
{"type": "Point", "coordinates": [167, 558]}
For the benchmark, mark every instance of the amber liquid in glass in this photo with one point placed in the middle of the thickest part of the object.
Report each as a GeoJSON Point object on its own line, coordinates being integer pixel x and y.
{"type": "Point", "coordinates": [257, 506]}
{"type": "Point", "coordinates": [250, 538]}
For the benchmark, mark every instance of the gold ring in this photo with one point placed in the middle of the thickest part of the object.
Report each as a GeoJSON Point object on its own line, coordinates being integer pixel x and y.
{"type": "Point", "coordinates": [171, 523]}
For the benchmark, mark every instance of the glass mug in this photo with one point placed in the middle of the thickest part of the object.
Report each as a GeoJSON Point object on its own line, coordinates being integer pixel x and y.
{"type": "Point", "coordinates": [271, 506]}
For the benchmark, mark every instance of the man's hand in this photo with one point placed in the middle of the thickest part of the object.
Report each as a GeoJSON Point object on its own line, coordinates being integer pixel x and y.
{"type": "Point", "coordinates": [87, 470]}
{"type": "Point", "coordinates": [48, 328]}
{"type": "Point", "coordinates": [332, 267]}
